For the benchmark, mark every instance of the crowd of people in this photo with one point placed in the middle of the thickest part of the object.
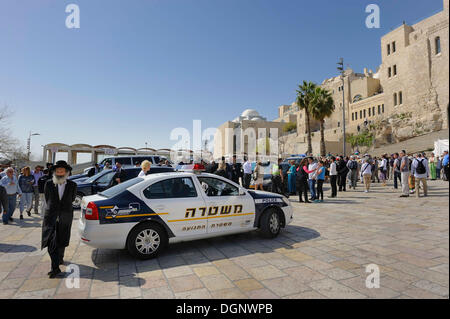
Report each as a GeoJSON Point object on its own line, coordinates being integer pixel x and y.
{"type": "Point", "coordinates": [409, 172]}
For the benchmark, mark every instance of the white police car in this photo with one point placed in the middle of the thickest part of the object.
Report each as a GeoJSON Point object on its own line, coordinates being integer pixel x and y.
{"type": "Point", "coordinates": [144, 214]}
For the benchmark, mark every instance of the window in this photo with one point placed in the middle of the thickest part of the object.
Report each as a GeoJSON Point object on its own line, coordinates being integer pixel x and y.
{"type": "Point", "coordinates": [389, 72]}
{"type": "Point", "coordinates": [373, 110]}
{"type": "Point", "coordinates": [370, 111]}
{"type": "Point", "coordinates": [171, 188]}
{"type": "Point", "coordinates": [119, 188]}
{"type": "Point", "coordinates": [400, 97]}
{"type": "Point", "coordinates": [379, 109]}
{"type": "Point", "coordinates": [382, 108]}
{"type": "Point", "coordinates": [395, 70]}
{"type": "Point", "coordinates": [393, 47]}
{"type": "Point", "coordinates": [216, 187]}
{"type": "Point", "coordinates": [356, 115]}
{"type": "Point", "coordinates": [437, 43]}
{"type": "Point", "coordinates": [360, 114]}
{"type": "Point", "coordinates": [353, 116]}
{"type": "Point", "coordinates": [395, 99]}
{"type": "Point", "coordinates": [388, 49]}
{"type": "Point", "coordinates": [106, 178]}
{"type": "Point", "coordinates": [364, 113]}
{"type": "Point", "coordinates": [339, 124]}
{"type": "Point", "coordinates": [123, 160]}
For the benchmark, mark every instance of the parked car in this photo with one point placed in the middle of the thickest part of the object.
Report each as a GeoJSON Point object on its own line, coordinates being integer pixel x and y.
{"type": "Point", "coordinates": [132, 160]}
{"type": "Point", "coordinates": [146, 214]}
{"type": "Point", "coordinates": [104, 180]}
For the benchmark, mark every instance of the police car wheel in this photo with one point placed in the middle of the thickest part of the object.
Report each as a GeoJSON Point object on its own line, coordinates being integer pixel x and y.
{"type": "Point", "coordinates": [146, 240]}
{"type": "Point", "coordinates": [270, 224]}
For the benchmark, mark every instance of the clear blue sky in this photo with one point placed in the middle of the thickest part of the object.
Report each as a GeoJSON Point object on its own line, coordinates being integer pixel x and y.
{"type": "Point", "coordinates": [137, 69]}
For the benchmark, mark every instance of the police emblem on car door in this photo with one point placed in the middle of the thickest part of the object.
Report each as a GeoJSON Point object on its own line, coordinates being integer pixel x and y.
{"type": "Point", "coordinates": [226, 208]}
{"type": "Point", "coordinates": [175, 200]}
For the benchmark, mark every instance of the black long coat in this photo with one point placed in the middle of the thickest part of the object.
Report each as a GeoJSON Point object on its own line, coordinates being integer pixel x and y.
{"type": "Point", "coordinates": [58, 214]}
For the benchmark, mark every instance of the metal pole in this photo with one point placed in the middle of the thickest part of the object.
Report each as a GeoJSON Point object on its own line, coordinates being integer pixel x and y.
{"type": "Point", "coordinates": [343, 113]}
{"type": "Point", "coordinates": [29, 147]}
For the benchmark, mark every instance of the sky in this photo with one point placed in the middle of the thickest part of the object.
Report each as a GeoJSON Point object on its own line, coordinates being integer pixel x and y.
{"type": "Point", "coordinates": [135, 70]}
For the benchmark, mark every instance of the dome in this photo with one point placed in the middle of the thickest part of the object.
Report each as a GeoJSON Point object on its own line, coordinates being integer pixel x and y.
{"type": "Point", "coordinates": [250, 113]}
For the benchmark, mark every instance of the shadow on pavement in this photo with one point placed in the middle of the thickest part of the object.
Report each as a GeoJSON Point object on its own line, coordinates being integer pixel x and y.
{"type": "Point", "coordinates": [9, 248]}
{"type": "Point", "coordinates": [117, 265]}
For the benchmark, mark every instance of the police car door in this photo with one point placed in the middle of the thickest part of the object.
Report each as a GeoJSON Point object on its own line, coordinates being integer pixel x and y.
{"type": "Point", "coordinates": [176, 201]}
{"type": "Point", "coordinates": [227, 209]}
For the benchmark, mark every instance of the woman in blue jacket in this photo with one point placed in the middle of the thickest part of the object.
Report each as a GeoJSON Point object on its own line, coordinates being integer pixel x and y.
{"type": "Point", "coordinates": [26, 182]}
{"type": "Point", "coordinates": [291, 178]}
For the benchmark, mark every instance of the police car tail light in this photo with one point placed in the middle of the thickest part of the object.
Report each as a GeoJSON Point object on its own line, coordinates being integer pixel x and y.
{"type": "Point", "coordinates": [91, 211]}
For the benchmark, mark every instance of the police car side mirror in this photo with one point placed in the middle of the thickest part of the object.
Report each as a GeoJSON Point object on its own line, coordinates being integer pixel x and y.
{"type": "Point", "coordinates": [242, 191]}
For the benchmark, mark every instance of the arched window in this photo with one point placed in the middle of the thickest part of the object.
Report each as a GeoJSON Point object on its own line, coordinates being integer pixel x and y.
{"type": "Point", "coordinates": [357, 98]}
{"type": "Point", "coordinates": [437, 43]}
{"type": "Point", "coordinates": [395, 99]}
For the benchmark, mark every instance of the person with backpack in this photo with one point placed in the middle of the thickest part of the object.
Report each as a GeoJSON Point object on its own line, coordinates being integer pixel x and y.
{"type": "Point", "coordinates": [421, 171]}
{"type": "Point", "coordinates": [352, 165]}
{"type": "Point", "coordinates": [366, 174]}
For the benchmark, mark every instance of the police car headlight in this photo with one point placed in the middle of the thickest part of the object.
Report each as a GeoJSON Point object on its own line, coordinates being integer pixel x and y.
{"type": "Point", "coordinates": [286, 201]}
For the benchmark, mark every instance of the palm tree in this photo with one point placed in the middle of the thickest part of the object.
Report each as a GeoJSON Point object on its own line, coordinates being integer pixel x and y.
{"type": "Point", "coordinates": [322, 106]}
{"type": "Point", "coordinates": [305, 95]}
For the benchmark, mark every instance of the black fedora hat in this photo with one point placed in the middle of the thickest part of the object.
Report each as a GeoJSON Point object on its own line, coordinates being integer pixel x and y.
{"type": "Point", "coordinates": [61, 164]}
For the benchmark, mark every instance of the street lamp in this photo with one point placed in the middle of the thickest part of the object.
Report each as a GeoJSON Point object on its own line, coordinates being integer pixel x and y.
{"type": "Point", "coordinates": [29, 144]}
{"type": "Point", "coordinates": [342, 71]}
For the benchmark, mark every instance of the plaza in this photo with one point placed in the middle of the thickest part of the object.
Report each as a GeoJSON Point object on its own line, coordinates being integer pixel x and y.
{"type": "Point", "coordinates": [323, 253]}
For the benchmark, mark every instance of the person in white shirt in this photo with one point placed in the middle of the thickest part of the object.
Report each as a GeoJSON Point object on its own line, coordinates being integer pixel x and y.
{"type": "Point", "coordinates": [421, 171]}
{"type": "Point", "coordinates": [146, 165]}
{"type": "Point", "coordinates": [366, 173]}
{"type": "Point", "coordinates": [312, 177]}
{"type": "Point", "coordinates": [247, 168]}
{"type": "Point", "coordinates": [333, 177]}
{"type": "Point", "coordinates": [382, 168]}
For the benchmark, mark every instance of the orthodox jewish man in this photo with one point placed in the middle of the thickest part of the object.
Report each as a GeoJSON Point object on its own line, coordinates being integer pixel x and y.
{"type": "Point", "coordinates": [59, 194]}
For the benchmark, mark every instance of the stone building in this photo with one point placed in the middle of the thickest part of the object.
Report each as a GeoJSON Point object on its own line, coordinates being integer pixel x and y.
{"type": "Point", "coordinates": [407, 96]}
{"type": "Point", "coordinates": [247, 134]}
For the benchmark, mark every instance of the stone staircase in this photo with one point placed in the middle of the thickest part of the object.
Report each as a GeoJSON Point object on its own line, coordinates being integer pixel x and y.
{"type": "Point", "coordinates": [416, 144]}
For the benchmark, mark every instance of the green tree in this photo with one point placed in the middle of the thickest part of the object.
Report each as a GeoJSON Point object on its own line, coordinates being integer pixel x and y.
{"type": "Point", "coordinates": [289, 127]}
{"type": "Point", "coordinates": [305, 96]}
{"type": "Point", "coordinates": [322, 106]}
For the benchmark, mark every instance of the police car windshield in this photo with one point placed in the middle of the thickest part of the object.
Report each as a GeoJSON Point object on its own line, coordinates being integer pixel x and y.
{"type": "Point", "coordinates": [115, 190]}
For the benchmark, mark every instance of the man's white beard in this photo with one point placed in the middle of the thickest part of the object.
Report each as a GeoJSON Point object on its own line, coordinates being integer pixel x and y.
{"type": "Point", "coordinates": [59, 180]}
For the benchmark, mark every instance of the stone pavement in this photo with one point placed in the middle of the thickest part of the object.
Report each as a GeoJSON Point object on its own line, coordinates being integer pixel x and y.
{"type": "Point", "coordinates": [322, 254]}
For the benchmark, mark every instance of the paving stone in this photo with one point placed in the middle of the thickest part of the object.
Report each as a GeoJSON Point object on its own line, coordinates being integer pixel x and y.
{"type": "Point", "coordinates": [158, 293]}
{"type": "Point", "coordinates": [248, 284]}
{"type": "Point", "coordinates": [184, 283]}
{"type": "Point", "coordinates": [285, 286]}
{"type": "Point", "coordinates": [216, 282]}
{"type": "Point", "coordinates": [202, 293]}
{"type": "Point", "coordinates": [206, 271]}
{"type": "Point", "coordinates": [266, 272]}
{"type": "Point", "coordinates": [332, 289]}
{"type": "Point", "coordinates": [177, 271]}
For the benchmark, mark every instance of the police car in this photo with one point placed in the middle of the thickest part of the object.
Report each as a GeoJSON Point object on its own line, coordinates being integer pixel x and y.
{"type": "Point", "coordinates": [145, 214]}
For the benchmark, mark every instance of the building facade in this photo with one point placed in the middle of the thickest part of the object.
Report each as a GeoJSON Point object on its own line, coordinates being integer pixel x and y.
{"type": "Point", "coordinates": [406, 97]}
